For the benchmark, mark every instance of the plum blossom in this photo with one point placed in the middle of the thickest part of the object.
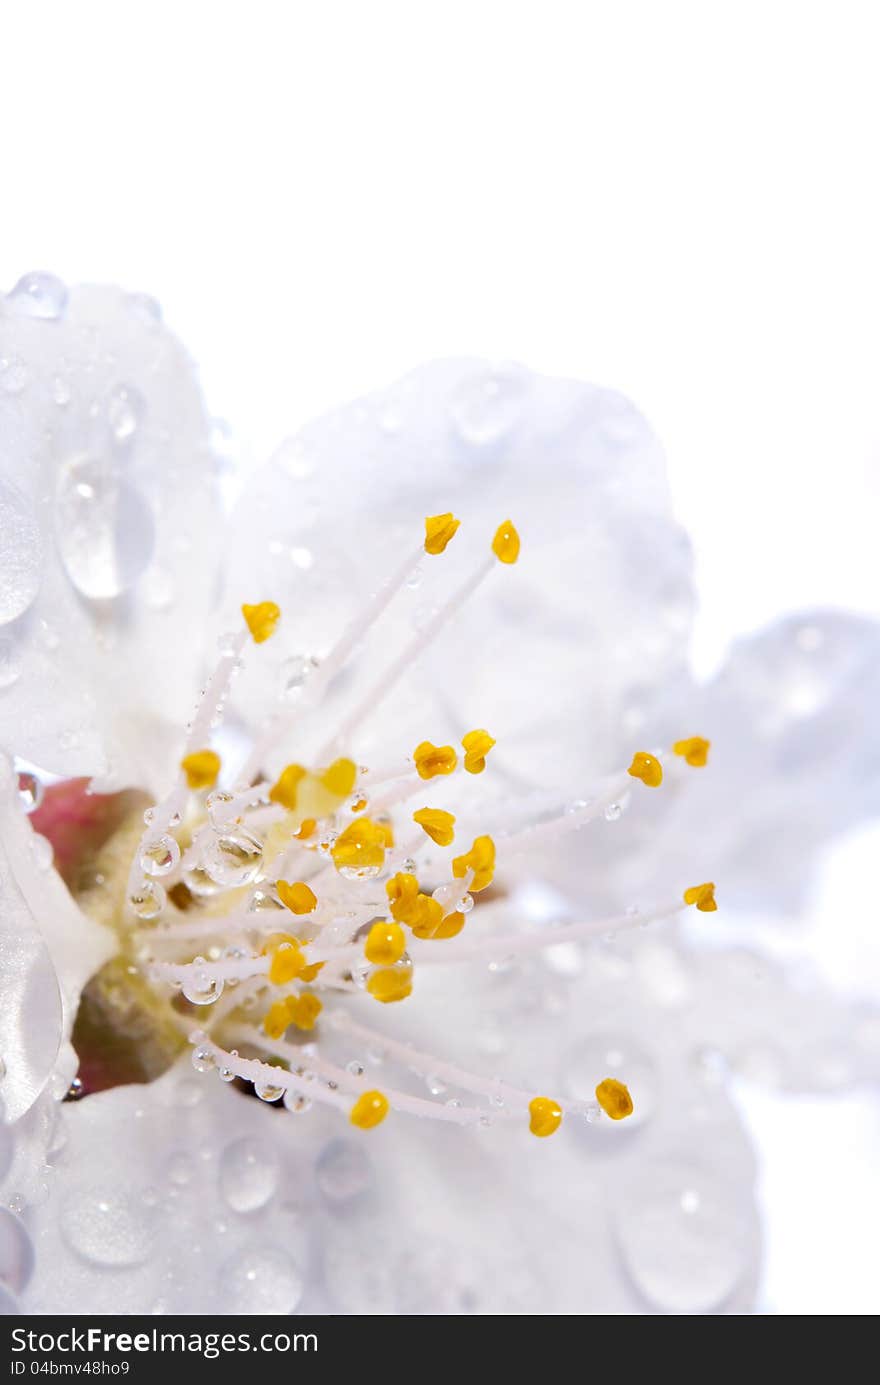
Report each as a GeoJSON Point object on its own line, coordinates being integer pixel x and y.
{"type": "Point", "coordinates": [155, 922]}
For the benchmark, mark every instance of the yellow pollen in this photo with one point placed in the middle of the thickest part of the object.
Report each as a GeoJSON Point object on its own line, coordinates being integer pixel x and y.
{"type": "Point", "coordinates": [647, 768]}
{"type": "Point", "coordinates": [359, 805]}
{"type": "Point", "coordinates": [703, 896]}
{"type": "Point", "coordinates": [201, 769]}
{"type": "Point", "coordinates": [261, 620]}
{"type": "Point", "coordinates": [695, 750]}
{"type": "Point", "coordinates": [614, 1099]}
{"type": "Point", "coordinates": [477, 745]}
{"type": "Point", "coordinates": [286, 787]}
{"type": "Point", "coordinates": [402, 891]}
{"type": "Point", "coordinates": [390, 985]}
{"type": "Point", "coordinates": [361, 846]}
{"type": "Point", "coordinates": [305, 1010]}
{"type": "Point", "coordinates": [339, 778]}
{"type": "Point", "coordinates": [439, 529]}
{"type": "Point", "coordinates": [287, 961]}
{"type": "Point", "coordinates": [307, 828]}
{"type": "Point", "coordinates": [425, 917]}
{"type": "Point", "coordinates": [298, 897]}
{"type": "Point", "coordinates": [385, 945]}
{"type": "Point", "coordinates": [505, 544]}
{"type": "Point", "coordinates": [545, 1117]}
{"type": "Point", "coordinates": [431, 760]}
{"type": "Point", "coordinates": [278, 1018]}
{"type": "Point", "coordinates": [369, 1110]}
{"type": "Point", "coordinates": [449, 927]}
{"type": "Point", "coordinates": [310, 972]}
{"type": "Point", "coordinates": [439, 825]}
{"type": "Point", "coordinates": [481, 860]}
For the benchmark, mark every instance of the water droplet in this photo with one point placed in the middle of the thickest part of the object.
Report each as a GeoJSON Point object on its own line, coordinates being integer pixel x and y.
{"type": "Point", "coordinates": [200, 988]}
{"type": "Point", "coordinates": [248, 1174]}
{"type": "Point", "coordinates": [355, 1067]}
{"type": "Point", "coordinates": [683, 1234]}
{"type": "Point", "coordinates": [106, 1228]}
{"type": "Point", "coordinates": [160, 856]}
{"type": "Point", "coordinates": [233, 860]}
{"type": "Point", "coordinates": [296, 1102]}
{"type": "Point", "coordinates": [343, 1170]}
{"type": "Point", "coordinates": [125, 410]}
{"type": "Point", "coordinates": [465, 904]}
{"type": "Point", "coordinates": [434, 1085]}
{"type": "Point", "coordinates": [294, 673]}
{"type": "Point", "coordinates": [14, 375]}
{"type": "Point", "coordinates": [147, 901]}
{"type": "Point", "coordinates": [202, 1059]}
{"type": "Point", "coordinates": [76, 1090]}
{"type": "Point", "coordinates": [487, 405]}
{"type": "Point", "coordinates": [30, 790]}
{"type": "Point", "coordinates": [613, 812]}
{"type": "Point", "coordinates": [609, 1054]}
{"type": "Point", "coordinates": [21, 555]}
{"type": "Point", "coordinates": [38, 295]}
{"type": "Point", "coordinates": [261, 1279]}
{"type": "Point", "coordinates": [268, 1091]}
{"type": "Point", "coordinates": [104, 529]}
{"type": "Point", "coordinates": [199, 882]}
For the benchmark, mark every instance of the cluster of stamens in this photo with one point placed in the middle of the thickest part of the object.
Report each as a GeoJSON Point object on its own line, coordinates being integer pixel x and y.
{"type": "Point", "coordinates": [260, 907]}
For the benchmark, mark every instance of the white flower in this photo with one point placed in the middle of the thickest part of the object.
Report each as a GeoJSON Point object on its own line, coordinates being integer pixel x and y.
{"type": "Point", "coordinates": [178, 1194]}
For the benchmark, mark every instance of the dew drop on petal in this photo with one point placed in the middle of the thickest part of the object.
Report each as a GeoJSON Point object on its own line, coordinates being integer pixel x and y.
{"type": "Point", "coordinates": [21, 556]}
{"type": "Point", "coordinates": [103, 527]}
{"type": "Point", "coordinates": [248, 1174]}
{"type": "Point", "coordinates": [343, 1170]}
{"type": "Point", "coordinates": [260, 1279]}
{"type": "Point", "coordinates": [106, 1228]}
{"type": "Point", "coordinates": [125, 410]}
{"type": "Point", "coordinates": [38, 295]}
{"type": "Point", "coordinates": [683, 1231]}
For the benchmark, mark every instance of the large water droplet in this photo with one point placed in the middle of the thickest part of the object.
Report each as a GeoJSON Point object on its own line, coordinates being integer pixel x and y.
{"type": "Point", "coordinates": [233, 859]}
{"type": "Point", "coordinates": [683, 1233]}
{"type": "Point", "coordinates": [16, 1252]}
{"type": "Point", "coordinates": [486, 406]}
{"type": "Point", "coordinates": [261, 1279]}
{"type": "Point", "coordinates": [125, 409]}
{"type": "Point", "coordinates": [104, 529]}
{"type": "Point", "coordinates": [608, 1054]}
{"type": "Point", "coordinates": [343, 1170]}
{"type": "Point", "coordinates": [106, 1228]}
{"type": "Point", "coordinates": [248, 1174]}
{"type": "Point", "coordinates": [21, 553]}
{"type": "Point", "coordinates": [38, 295]}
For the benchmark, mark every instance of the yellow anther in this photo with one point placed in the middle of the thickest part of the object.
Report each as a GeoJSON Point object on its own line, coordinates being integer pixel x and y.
{"type": "Point", "coordinates": [298, 897]}
{"type": "Point", "coordinates": [439, 529]}
{"type": "Point", "coordinates": [287, 961]}
{"type": "Point", "coordinates": [359, 805]}
{"type": "Point", "coordinates": [286, 786]}
{"type": "Point", "coordinates": [385, 945]}
{"type": "Point", "coordinates": [439, 825]}
{"type": "Point", "coordinates": [306, 1009]}
{"type": "Point", "coordinates": [278, 1018]}
{"type": "Point", "coordinates": [703, 896]}
{"type": "Point", "coordinates": [261, 620]}
{"type": "Point", "coordinates": [310, 972]}
{"type": "Point", "coordinates": [390, 984]}
{"type": "Point", "coordinates": [339, 778]}
{"type": "Point", "coordinates": [450, 926]}
{"type": "Point", "coordinates": [477, 745]}
{"type": "Point", "coordinates": [402, 891]}
{"type": "Point", "coordinates": [369, 1110]}
{"type": "Point", "coordinates": [306, 829]}
{"type": "Point", "coordinates": [425, 917]}
{"type": "Point", "coordinates": [695, 750]}
{"type": "Point", "coordinates": [480, 859]}
{"type": "Point", "coordinates": [647, 768]}
{"type": "Point", "coordinates": [431, 760]}
{"type": "Point", "coordinates": [361, 846]}
{"type": "Point", "coordinates": [614, 1099]}
{"type": "Point", "coordinates": [201, 769]}
{"type": "Point", "coordinates": [505, 544]}
{"type": "Point", "coordinates": [545, 1117]}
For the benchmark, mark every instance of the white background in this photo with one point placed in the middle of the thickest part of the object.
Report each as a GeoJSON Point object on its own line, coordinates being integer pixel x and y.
{"type": "Point", "coordinates": [676, 199]}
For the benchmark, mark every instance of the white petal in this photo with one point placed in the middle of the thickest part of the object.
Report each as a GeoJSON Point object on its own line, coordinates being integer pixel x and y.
{"type": "Point", "coordinates": [108, 507]}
